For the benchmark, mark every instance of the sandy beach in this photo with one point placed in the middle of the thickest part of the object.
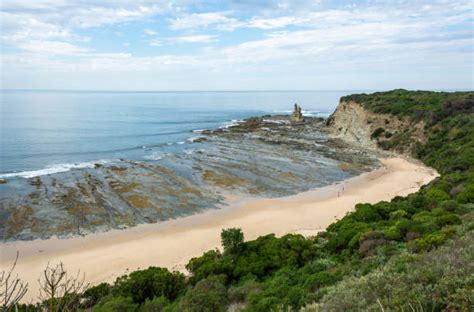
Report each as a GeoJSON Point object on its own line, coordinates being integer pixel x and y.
{"type": "Point", "coordinates": [105, 256]}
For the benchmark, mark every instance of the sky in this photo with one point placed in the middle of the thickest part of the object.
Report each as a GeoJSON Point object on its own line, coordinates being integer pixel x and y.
{"type": "Point", "coordinates": [236, 45]}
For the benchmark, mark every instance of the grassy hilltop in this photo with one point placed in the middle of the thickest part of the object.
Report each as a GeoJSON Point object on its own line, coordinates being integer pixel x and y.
{"type": "Point", "coordinates": [415, 253]}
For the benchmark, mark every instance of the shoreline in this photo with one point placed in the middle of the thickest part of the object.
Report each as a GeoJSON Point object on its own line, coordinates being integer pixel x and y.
{"type": "Point", "coordinates": [106, 256]}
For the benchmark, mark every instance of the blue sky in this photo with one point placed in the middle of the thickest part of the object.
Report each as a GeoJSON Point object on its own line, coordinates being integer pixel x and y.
{"type": "Point", "coordinates": [236, 45]}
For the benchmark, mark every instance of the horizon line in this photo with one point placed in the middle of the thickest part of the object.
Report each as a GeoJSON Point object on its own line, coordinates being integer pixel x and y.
{"type": "Point", "coordinates": [221, 91]}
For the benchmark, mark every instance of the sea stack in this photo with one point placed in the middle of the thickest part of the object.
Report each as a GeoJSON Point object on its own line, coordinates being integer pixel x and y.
{"type": "Point", "coordinates": [296, 116]}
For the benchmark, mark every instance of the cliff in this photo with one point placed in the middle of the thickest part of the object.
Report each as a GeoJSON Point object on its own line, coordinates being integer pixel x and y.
{"type": "Point", "coordinates": [354, 123]}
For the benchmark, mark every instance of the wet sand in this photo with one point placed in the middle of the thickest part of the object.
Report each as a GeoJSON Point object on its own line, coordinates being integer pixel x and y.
{"type": "Point", "coordinates": [105, 256]}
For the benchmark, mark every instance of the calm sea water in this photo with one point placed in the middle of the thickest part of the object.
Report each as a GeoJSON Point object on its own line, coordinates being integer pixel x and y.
{"type": "Point", "coordinates": [44, 132]}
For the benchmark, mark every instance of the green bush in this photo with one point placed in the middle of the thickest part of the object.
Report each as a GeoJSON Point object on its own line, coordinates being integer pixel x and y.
{"type": "Point", "coordinates": [449, 205]}
{"type": "Point", "coordinates": [428, 242]}
{"type": "Point", "coordinates": [392, 233]}
{"type": "Point", "coordinates": [116, 304]}
{"type": "Point", "coordinates": [466, 196]}
{"type": "Point", "coordinates": [157, 304]}
{"type": "Point", "coordinates": [366, 213]}
{"type": "Point", "coordinates": [147, 284]}
{"type": "Point", "coordinates": [240, 293]}
{"type": "Point", "coordinates": [448, 219]}
{"type": "Point", "coordinates": [208, 295]}
{"type": "Point", "coordinates": [210, 263]}
{"type": "Point", "coordinates": [435, 195]}
{"type": "Point", "coordinates": [399, 214]}
{"type": "Point", "coordinates": [96, 293]}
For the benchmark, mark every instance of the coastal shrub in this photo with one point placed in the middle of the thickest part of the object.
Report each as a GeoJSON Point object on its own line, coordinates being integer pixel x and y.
{"type": "Point", "coordinates": [428, 242]}
{"type": "Point", "coordinates": [320, 279]}
{"type": "Point", "coordinates": [467, 195]}
{"type": "Point", "coordinates": [273, 253]}
{"type": "Point", "coordinates": [282, 292]}
{"type": "Point", "coordinates": [392, 233]}
{"type": "Point", "coordinates": [384, 208]}
{"type": "Point", "coordinates": [240, 293]}
{"type": "Point", "coordinates": [370, 241]}
{"type": "Point", "coordinates": [210, 263]}
{"type": "Point", "coordinates": [435, 195]}
{"type": "Point", "coordinates": [366, 213]}
{"type": "Point", "coordinates": [115, 304]}
{"type": "Point", "coordinates": [448, 219]}
{"type": "Point", "coordinates": [348, 233]}
{"type": "Point", "coordinates": [398, 214]}
{"type": "Point", "coordinates": [449, 205]}
{"type": "Point", "coordinates": [157, 304]}
{"type": "Point", "coordinates": [417, 201]}
{"type": "Point", "coordinates": [96, 293]}
{"type": "Point", "coordinates": [209, 294]}
{"type": "Point", "coordinates": [440, 280]}
{"type": "Point", "coordinates": [147, 284]}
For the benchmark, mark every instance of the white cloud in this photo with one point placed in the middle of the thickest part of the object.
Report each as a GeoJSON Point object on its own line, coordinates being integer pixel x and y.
{"type": "Point", "coordinates": [150, 32]}
{"type": "Point", "coordinates": [98, 16]}
{"type": "Point", "coordinates": [17, 27]}
{"type": "Point", "coordinates": [196, 38]}
{"type": "Point", "coordinates": [204, 20]}
{"type": "Point", "coordinates": [270, 23]}
{"type": "Point", "coordinates": [158, 42]}
{"type": "Point", "coordinates": [51, 47]}
{"type": "Point", "coordinates": [46, 26]}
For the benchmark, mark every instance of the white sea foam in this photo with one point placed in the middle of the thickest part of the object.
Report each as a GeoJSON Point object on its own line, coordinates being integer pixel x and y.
{"type": "Point", "coordinates": [52, 169]}
{"type": "Point", "coordinates": [180, 143]}
{"type": "Point", "coordinates": [314, 114]}
{"type": "Point", "coordinates": [153, 157]}
{"type": "Point", "coordinates": [232, 123]}
{"type": "Point", "coordinates": [308, 113]}
{"type": "Point", "coordinates": [199, 130]}
{"type": "Point", "coordinates": [277, 121]}
{"type": "Point", "coordinates": [194, 139]}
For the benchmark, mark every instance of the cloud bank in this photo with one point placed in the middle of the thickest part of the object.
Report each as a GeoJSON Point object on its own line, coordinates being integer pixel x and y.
{"type": "Point", "coordinates": [184, 45]}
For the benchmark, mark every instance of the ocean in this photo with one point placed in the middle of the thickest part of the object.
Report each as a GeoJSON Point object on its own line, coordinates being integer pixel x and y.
{"type": "Point", "coordinates": [45, 132]}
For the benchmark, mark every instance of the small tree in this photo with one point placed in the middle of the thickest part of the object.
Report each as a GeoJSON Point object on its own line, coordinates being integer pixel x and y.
{"type": "Point", "coordinates": [12, 289]}
{"type": "Point", "coordinates": [232, 240]}
{"type": "Point", "coordinates": [58, 290]}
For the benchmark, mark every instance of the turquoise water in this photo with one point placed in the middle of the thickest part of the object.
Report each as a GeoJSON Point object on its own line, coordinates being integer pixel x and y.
{"type": "Point", "coordinates": [43, 132]}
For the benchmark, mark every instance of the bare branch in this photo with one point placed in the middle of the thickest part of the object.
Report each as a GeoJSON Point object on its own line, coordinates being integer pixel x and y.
{"type": "Point", "coordinates": [60, 291]}
{"type": "Point", "coordinates": [12, 289]}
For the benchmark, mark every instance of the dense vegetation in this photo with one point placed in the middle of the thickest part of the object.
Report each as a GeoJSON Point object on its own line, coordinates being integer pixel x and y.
{"type": "Point", "coordinates": [414, 253]}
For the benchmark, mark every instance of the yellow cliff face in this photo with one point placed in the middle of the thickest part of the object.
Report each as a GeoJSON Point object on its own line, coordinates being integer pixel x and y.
{"type": "Point", "coordinates": [353, 123]}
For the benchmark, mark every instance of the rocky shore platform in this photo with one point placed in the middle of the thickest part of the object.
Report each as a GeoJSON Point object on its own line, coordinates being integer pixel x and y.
{"type": "Point", "coordinates": [267, 156]}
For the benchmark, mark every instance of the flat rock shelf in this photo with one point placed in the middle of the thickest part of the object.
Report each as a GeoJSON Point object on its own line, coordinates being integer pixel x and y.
{"type": "Point", "coordinates": [266, 157]}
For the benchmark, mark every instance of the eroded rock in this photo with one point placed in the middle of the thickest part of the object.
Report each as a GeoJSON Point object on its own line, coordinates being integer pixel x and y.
{"type": "Point", "coordinates": [297, 116]}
